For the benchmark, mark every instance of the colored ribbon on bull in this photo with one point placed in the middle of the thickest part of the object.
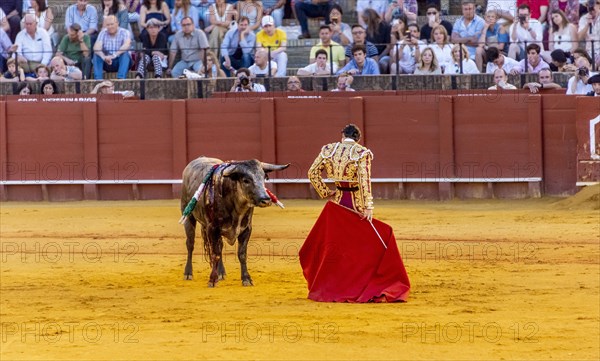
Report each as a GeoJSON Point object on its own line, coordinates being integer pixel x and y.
{"type": "Point", "coordinates": [192, 203]}
{"type": "Point", "coordinates": [274, 198]}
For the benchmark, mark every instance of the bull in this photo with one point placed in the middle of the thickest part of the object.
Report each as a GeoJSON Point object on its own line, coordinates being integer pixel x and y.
{"type": "Point", "coordinates": [224, 208]}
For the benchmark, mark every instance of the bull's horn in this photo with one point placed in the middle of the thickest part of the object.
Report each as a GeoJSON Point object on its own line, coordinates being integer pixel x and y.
{"type": "Point", "coordinates": [267, 167]}
{"type": "Point", "coordinates": [229, 170]}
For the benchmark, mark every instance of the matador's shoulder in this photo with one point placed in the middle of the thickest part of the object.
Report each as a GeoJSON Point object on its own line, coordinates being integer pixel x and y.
{"type": "Point", "coordinates": [329, 149]}
{"type": "Point", "coordinates": [358, 151]}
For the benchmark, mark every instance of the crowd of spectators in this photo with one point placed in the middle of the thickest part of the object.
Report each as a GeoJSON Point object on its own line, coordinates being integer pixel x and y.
{"type": "Point", "coordinates": [218, 38]}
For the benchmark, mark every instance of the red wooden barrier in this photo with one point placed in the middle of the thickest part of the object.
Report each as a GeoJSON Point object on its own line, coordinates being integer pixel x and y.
{"type": "Point", "coordinates": [428, 145]}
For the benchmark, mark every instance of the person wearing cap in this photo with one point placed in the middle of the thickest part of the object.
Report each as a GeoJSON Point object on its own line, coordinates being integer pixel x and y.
{"type": "Point", "coordinates": [154, 43]}
{"type": "Point", "coordinates": [276, 40]}
{"type": "Point", "coordinates": [594, 81]}
{"type": "Point", "coordinates": [577, 84]}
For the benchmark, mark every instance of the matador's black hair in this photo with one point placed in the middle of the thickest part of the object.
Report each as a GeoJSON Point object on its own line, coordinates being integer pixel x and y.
{"type": "Point", "coordinates": [351, 131]}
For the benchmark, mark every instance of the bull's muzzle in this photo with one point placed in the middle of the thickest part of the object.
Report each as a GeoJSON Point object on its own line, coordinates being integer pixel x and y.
{"type": "Point", "coordinates": [264, 201]}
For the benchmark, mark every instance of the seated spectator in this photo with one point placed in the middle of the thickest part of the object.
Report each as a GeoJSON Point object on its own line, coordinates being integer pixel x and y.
{"type": "Point", "coordinates": [4, 23]}
{"type": "Point", "coordinates": [468, 28]}
{"type": "Point", "coordinates": [33, 45]}
{"type": "Point", "coordinates": [111, 50]}
{"type": "Point", "coordinates": [181, 9]}
{"type": "Point", "coordinates": [41, 73]}
{"type": "Point", "coordinates": [74, 49]}
{"type": "Point", "coordinates": [406, 53]}
{"type": "Point", "coordinates": [359, 36]}
{"type": "Point", "coordinates": [155, 9]}
{"type": "Point", "coordinates": [294, 84]}
{"type": "Point", "coordinates": [504, 9]}
{"type": "Point", "coordinates": [360, 64]}
{"type": "Point", "coordinates": [85, 15]}
{"type": "Point", "coordinates": [524, 30]}
{"type": "Point", "coordinates": [433, 21]}
{"type": "Point", "coordinates": [221, 16]}
{"type": "Point", "coordinates": [500, 81]}
{"type": "Point", "coordinates": [539, 9]}
{"type": "Point", "coordinates": [61, 71]}
{"type": "Point", "coordinates": [589, 30]}
{"type": "Point", "coordinates": [212, 63]}
{"type": "Point", "coordinates": [155, 54]}
{"type": "Point", "coordinates": [379, 7]}
{"type": "Point", "coordinates": [428, 64]}
{"type": "Point", "coordinates": [48, 87]}
{"type": "Point", "coordinates": [440, 44]}
{"type": "Point", "coordinates": [334, 50]}
{"type": "Point", "coordinates": [45, 18]}
{"type": "Point", "coordinates": [594, 81]}
{"type": "Point", "coordinates": [14, 73]}
{"type": "Point", "coordinates": [341, 32]}
{"type": "Point", "coordinates": [378, 33]}
{"type": "Point", "coordinates": [562, 35]}
{"type": "Point", "coordinates": [276, 40]}
{"type": "Point", "coordinates": [252, 9]}
{"type": "Point", "coordinates": [534, 61]}
{"type": "Point", "coordinates": [398, 8]}
{"type": "Point", "coordinates": [108, 87]}
{"type": "Point", "coordinates": [544, 82]}
{"type": "Point", "coordinates": [468, 65]}
{"type": "Point", "coordinates": [560, 62]}
{"type": "Point", "coordinates": [244, 83]}
{"type": "Point", "coordinates": [577, 84]}
{"type": "Point", "coordinates": [261, 66]}
{"type": "Point", "coordinates": [11, 13]}
{"type": "Point", "coordinates": [316, 9]}
{"type": "Point", "coordinates": [24, 89]}
{"type": "Point", "coordinates": [493, 34]}
{"type": "Point", "coordinates": [344, 83]}
{"type": "Point", "coordinates": [321, 66]}
{"type": "Point", "coordinates": [498, 60]}
{"type": "Point", "coordinates": [6, 49]}
{"type": "Point", "coordinates": [116, 8]}
{"type": "Point", "coordinates": [569, 7]}
{"type": "Point", "coordinates": [202, 7]}
{"type": "Point", "coordinates": [275, 8]}
{"type": "Point", "coordinates": [191, 42]}
{"type": "Point", "coordinates": [237, 47]}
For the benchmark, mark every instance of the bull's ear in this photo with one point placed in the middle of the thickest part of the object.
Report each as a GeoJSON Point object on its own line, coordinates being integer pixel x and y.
{"type": "Point", "coordinates": [267, 167]}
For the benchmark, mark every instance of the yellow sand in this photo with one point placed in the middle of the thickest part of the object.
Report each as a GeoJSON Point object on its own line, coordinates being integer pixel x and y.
{"type": "Point", "coordinates": [490, 279]}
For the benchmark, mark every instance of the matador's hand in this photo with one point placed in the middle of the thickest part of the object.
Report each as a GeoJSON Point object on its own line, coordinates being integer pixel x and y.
{"type": "Point", "coordinates": [330, 195]}
{"type": "Point", "coordinates": [368, 215]}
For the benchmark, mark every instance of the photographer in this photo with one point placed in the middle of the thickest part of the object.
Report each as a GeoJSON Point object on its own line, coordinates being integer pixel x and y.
{"type": "Point", "coordinates": [578, 83]}
{"type": "Point", "coordinates": [243, 82]}
{"type": "Point", "coordinates": [525, 29]}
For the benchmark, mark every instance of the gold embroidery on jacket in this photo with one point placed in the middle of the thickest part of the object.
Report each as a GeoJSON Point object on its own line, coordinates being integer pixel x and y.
{"type": "Point", "coordinates": [344, 162]}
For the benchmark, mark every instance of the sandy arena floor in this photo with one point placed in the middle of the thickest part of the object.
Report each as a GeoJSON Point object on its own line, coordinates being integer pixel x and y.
{"type": "Point", "coordinates": [491, 279]}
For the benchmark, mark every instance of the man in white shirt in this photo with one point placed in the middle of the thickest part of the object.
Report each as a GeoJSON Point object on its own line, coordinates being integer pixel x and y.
{"type": "Point", "coordinates": [524, 30]}
{"type": "Point", "coordinates": [243, 83]}
{"type": "Point", "coordinates": [497, 60]}
{"type": "Point", "coordinates": [589, 30]}
{"type": "Point", "coordinates": [261, 64]}
{"type": "Point", "coordinates": [578, 83]}
{"type": "Point", "coordinates": [321, 66]}
{"type": "Point", "coordinates": [33, 45]}
{"type": "Point", "coordinates": [500, 80]}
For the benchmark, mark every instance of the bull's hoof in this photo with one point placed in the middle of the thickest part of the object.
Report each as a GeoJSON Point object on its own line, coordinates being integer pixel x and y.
{"type": "Point", "coordinates": [247, 283]}
{"type": "Point", "coordinates": [221, 277]}
{"type": "Point", "coordinates": [211, 284]}
{"type": "Point", "coordinates": [188, 277]}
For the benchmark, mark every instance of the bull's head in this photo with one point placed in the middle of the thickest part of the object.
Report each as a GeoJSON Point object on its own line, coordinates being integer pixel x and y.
{"type": "Point", "coordinates": [249, 179]}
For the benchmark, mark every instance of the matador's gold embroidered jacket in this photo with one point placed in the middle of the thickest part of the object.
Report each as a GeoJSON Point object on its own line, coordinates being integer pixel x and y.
{"type": "Point", "coordinates": [345, 161]}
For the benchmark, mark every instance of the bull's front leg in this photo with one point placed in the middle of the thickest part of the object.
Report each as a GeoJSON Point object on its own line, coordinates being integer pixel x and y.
{"type": "Point", "coordinates": [190, 232]}
{"type": "Point", "coordinates": [243, 255]}
{"type": "Point", "coordinates": [216, 245]}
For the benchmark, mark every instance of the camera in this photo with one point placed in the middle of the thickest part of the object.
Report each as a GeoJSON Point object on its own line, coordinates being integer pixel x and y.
{"type": "Point", "coordinates": [244, 80]}
{"type": "Point", "coordinates": [583, 71]}
{"type": "Point", "coordinates": [522, 18]}
{"type": "Point", "coordinates": [334, 20]}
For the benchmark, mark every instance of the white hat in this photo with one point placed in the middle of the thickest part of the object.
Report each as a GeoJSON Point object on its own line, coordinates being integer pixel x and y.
{"type": "Point", "coordinates": [268, 20]}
